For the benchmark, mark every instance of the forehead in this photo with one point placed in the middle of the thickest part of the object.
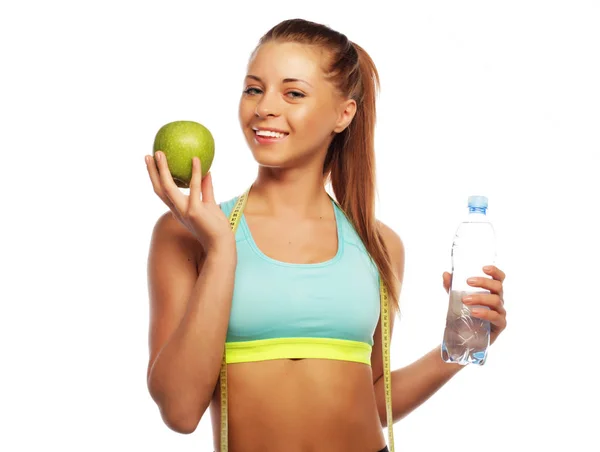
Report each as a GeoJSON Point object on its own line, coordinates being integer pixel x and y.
{"type": "Point", "coordinates": [279, 60]}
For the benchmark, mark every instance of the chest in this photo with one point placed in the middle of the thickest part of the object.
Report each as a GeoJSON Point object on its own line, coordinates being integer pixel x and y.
{"type": "Point", "coordinates": [306, 241]}
{"type": "Point", "coordinates": [338, 298]}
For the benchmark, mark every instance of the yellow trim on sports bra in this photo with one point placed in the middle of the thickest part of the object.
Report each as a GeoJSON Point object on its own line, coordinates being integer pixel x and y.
{"type": "Point", "coordinates": [298, 347]}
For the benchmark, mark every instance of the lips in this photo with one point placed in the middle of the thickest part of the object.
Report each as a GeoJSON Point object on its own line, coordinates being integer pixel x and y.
{"type": "Point", "coordinates": [267, 131]}
{"type": "Point", "coordinates": [267, 136]}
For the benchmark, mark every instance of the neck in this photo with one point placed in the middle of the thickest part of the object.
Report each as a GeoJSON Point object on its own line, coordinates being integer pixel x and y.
{"type": "Point", "coordinates": [292, 192]}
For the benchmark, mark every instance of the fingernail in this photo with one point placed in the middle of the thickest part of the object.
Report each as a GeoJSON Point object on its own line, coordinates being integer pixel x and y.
{"type": "Point", "coordinates": [477, 311]}
{"type": "Point", "coordinates": [472, 280]}
{"type": "Point", "coordinates": [467, 299]}
{"type": "Point", "coordinates": [487, 268]}
{"type": "Point", "coordinates": [158, 156]}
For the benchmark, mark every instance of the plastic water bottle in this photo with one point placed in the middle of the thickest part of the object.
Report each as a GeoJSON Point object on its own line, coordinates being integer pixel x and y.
{"type": "Point", "coordinates": [466, 338]}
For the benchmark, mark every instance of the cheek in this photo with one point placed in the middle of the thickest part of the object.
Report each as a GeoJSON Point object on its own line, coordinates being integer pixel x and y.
{"type": "Point", "coordinates": [245, 111]}
{"type": "Point", "coordinates": [245, 115]}
{"type": "Point", "coordinates": [314, 123]}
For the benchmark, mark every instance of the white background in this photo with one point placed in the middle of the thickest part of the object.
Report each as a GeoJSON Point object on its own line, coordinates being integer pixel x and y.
{"type": "Point", "coordinates": [494, 98]}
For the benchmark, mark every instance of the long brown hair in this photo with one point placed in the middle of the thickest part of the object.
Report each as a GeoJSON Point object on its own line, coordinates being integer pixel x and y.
{"type": "Point", "coordinates": [350, 160]}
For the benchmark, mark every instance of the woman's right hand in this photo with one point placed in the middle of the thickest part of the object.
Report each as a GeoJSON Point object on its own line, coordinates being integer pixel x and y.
{"type": "Point", "coordinates": [198, 212]}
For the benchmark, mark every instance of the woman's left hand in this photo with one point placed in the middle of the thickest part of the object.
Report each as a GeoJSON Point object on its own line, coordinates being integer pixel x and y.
{"type": "Point", "coordinates": [494, 300]}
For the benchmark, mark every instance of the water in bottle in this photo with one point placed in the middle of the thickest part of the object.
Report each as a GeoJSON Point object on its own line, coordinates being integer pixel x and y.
{"type": "Point", "coordinates": [466, 338]}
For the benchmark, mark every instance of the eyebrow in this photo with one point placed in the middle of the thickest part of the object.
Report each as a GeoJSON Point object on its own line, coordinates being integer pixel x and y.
{"type": "Point", "coordinates": [285, 80]}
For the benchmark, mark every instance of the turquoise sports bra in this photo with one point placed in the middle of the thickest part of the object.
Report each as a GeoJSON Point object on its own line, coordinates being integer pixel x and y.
{"type": "Point", "coordinates": [325, 310]}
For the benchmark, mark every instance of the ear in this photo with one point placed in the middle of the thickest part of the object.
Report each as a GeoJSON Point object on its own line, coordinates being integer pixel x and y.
{"type": "Point", "coordinates": [346, 113]}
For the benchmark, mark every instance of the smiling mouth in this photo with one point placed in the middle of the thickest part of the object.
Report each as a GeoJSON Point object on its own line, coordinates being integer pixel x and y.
{"type": "Point", "coordinates": [265, 137]}
{"type": "Point", "coordinates": [270, 134]}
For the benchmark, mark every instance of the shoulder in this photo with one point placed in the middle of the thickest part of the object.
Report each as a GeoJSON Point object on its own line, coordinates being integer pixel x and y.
{"type": "Point", "coordinates": [390, 237]}
{"type": "Point", "coordinates": [168, 232]}
{"type": "Point", "coordinates": [168, 225]}
{"type": "Point", "coordinates": [169, 228]}
{"type": "Point", "coordinates": [394, 245]}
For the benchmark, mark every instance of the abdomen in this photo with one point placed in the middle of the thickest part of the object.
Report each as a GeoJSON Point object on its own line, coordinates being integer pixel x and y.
{"type": "Point", "coordinates": [300, 405]}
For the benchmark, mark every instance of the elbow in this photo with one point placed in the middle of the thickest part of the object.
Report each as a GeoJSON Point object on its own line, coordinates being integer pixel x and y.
{"type": "Point", "coordinates": [179, 416]}
{"type": "Point", "coordinates": [179, 422]}
{"type": "Point", "coordinates": [182, 418]}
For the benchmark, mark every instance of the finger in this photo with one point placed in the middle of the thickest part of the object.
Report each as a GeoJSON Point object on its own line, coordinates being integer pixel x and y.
{"type": "Point", "coordinates": [155, 179]}
{"type": "Point", "coordinates": [493, 317]}
{"type": "Point", "coordinates": [168, 184]}
{"type": "Point", "coordinates": [494, 272]}
{"type": "Point", "coordinates": [498, 275]}
{"type": "Point", "coordinates": [195, 182]}
{"type": "Point", "coordinates": [492, 301]}
{"type": "Point", "coordinates": [208, 192]}
{"type": "Point", "coordinates": [447, 280]}
{"type": "Point", "coordinates": [492, 285]}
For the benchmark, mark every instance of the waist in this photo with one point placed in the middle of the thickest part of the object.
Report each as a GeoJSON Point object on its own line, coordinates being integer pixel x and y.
{"type": "Point", "coordinates": [298, 347]}
{"type": "Point", "coordinates": [273, 404]}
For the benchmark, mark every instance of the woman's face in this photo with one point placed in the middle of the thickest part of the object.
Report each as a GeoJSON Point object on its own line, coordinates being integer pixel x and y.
{"type": "Point", "coordinates": [289, 112]}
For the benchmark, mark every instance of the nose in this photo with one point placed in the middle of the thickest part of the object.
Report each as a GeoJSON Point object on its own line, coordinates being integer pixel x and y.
{"type": "Point", "coordinates": [267, 106]}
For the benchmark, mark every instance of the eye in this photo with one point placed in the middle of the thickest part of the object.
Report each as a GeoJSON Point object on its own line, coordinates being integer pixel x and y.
{"type": "Point", "coordinates": [296, 94]}
{"type": "Point", "coordinates": [252, 91]}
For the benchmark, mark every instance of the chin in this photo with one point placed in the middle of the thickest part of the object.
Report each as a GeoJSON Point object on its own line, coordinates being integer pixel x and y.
{"type": "Point", "coordinates": [268, 158]}
{"type": "Point", "coordinates": [273, 155]}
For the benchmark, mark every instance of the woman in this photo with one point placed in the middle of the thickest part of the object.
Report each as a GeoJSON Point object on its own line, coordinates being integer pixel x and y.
{"type": "Point", "coordinates": [294, 293]}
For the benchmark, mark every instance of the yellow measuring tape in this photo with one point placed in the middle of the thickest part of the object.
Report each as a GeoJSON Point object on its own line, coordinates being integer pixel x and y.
{"type": "Point", "coordinates": [234, 219]}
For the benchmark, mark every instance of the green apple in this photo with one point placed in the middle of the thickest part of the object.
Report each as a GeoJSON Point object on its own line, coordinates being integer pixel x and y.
{"type": "Point", "coordinates": [180, 141]}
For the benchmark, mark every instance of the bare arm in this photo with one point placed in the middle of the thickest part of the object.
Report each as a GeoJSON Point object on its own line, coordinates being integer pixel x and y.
{"type": "Point", "coordinates": [414, 384]}
{"type": "Point", "coordinates": [189, 314]}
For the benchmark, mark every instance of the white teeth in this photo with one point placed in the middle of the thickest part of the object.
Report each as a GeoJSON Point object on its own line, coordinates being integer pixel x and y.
{"type": "Point", "coordinates": [268, 133]}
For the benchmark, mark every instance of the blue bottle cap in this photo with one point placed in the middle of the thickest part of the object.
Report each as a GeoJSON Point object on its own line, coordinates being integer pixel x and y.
{"type": "Point", "coordinates": [480, 202]}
